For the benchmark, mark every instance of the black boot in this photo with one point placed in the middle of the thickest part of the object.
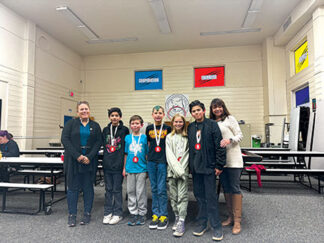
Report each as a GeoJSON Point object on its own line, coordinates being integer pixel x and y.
{"type": "Point", "coordinates": [72, 220]}
{"type": "Point", "coordinates": [86, 219]}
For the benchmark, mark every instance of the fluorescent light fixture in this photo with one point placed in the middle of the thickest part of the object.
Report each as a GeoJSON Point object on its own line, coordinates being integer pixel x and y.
{"type": "Point", "coordinates": [85, 29]}
{"type": "Point", "coordinates": [256, 5]}
{"type": "Point", "coordinates": [249, 19]}
{"type": "Point", "coordinates": [99, 41]}
{"type": "Point", "coordinates": [160, 15]}
{"type": "Point", "coordinates": [243, 30]}
{"type": "Point", "coordinates": [247, 25]}
{"type": "Point", "coordinates": [251, 14]}
{"type": "Point", "coordinates": [90, 34]}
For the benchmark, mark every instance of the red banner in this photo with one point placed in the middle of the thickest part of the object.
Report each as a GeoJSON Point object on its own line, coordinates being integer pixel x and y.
{"type": "Point", "coordinates": [209, 77]}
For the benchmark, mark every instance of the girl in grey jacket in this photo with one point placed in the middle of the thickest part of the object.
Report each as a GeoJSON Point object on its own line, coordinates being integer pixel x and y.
{"type": "Point", "coordinates": [178, 170]}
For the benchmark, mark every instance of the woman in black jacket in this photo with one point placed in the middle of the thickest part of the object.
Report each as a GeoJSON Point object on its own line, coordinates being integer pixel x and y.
{"type": "Point", "coordinates": [8, 148]}
{"type": "Point", "coordinates": [81, 138]}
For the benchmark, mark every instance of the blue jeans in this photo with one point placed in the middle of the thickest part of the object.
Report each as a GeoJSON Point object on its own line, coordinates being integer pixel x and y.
{"type": "Point", "coordinates": [114, 194]}
{"type": "Point", "coordinates": [230, 180]}
{"type": "Point", "coordinates": [81, 181]}
{"type": "Point", "coordinates": [157, 175]}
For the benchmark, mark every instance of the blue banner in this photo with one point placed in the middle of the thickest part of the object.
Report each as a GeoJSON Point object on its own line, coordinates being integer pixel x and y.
{"type": "Point", "coordinates": [146, 80]}
{"type": "Point", "coordinates": [302, 96]}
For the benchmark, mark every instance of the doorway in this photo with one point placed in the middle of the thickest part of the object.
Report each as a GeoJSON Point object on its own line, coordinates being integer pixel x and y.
{"type": "Point", "coordinates": [68, 110]}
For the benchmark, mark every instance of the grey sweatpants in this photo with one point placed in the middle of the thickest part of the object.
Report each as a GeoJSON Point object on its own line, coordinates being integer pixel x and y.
{"type": "Point", "coordinates": [179, 196]}
{"type": "Point", "coordinates": [136, 190]}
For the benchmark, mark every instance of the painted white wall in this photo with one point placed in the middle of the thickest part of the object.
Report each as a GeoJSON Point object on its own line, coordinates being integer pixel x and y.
{"type": "Point", "coordinates": [274, 81]}
{"type": "Point", "coordinates": [312, 75]}
{"type": "Point", "coordinates": [109, 81]}
{"type": "Point", "coordinates": [12, 66]}
{"type": "Point", "coordinates": [318, 26]}
{"type": "Point", "coordinates": [4, 104]}
{"type": "Point", "coordinates": [306, 76]}
{"type": "Point", "coordinates": [57, 71]}
{"type": "Point", "coordinates": [39, 71]}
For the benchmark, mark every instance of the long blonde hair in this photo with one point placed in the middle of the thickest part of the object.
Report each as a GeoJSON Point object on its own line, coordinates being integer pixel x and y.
{"type": "Point", "coordinates": [184, 128]}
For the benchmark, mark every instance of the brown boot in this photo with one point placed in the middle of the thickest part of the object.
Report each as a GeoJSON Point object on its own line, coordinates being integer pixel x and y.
{"type": "Point", "coordinates": [237, 212]}
{"type": "Point", "coordinates": [229, 220]}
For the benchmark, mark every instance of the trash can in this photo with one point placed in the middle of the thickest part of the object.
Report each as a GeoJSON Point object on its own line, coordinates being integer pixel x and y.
{"type": "Point", "coordinates": [256, 141]}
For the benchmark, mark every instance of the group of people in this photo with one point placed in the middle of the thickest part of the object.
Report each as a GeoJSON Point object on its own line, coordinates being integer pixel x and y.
{"type": "Point", "coordinates": [207, 148]}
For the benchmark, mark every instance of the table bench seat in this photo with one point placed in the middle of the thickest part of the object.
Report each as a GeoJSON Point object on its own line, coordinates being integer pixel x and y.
{"type": "Point", "coordinates": [39, 172]}
{"type": "Point", "coordinates": [314, 172]}
{"type": "Point", "coordinates": [279, 164]}
{"type": "Point", "coordinates": [41, 187]}
{"type": "Point", "coordinates": [277, 160]}
{"type": "Point", "coordinates": [290, 171]}
{"type": "Point", "coordinates": [29, 172]}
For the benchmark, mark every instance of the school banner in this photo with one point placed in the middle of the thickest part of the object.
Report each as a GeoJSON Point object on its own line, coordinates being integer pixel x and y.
{"type": "Point", "coordinates": [301, 57]}
{"type": "Point", "coordinates": [209, 76]}
{"type": "Point", "coordinates": [147, 80]}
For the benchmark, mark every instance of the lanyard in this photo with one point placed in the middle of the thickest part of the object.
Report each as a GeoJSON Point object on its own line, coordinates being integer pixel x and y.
{"type": "Point", "coordinates": [112, 140]}
{"type": "Point", "coordinates": [180, 146]}
{"type": "Point", "coordinates": [136, 144]}
{"type": "Point", "coordinates": [157, 138]}
{"type": "Point", "coordinates": [198, 134]}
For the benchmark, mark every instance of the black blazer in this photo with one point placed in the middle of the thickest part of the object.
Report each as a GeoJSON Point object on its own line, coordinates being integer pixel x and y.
{"type": "Point", "coordinates": [213, 155]}
{"type": "Point", "coordinates": [72, 145]}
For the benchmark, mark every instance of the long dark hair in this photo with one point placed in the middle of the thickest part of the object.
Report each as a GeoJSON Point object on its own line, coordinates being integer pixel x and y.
{"type": "Point", "coordinates": [218, 103]}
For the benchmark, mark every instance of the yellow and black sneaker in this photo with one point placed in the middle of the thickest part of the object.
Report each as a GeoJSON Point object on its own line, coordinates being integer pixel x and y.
{"type": "Point", "coordinates": [163, 223]}
{"type": "Point", "coordinates": [154, 223]}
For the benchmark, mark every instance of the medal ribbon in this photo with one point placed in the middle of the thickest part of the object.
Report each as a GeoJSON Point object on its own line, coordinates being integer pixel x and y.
{"type": "Point", "coordinates": [112, 135]}
{"type": "Point", "coordinates": [157, 139]}
{"type": "Point", "coordinates": [198, 136]}
{"type": "Point", "coordinates": [136, 144]}
{"type": "Point", "coordinates": [181, 147]}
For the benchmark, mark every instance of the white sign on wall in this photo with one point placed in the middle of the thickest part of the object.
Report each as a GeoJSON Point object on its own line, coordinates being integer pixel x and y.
{"type": "Point", "coordinates": [176, 103]}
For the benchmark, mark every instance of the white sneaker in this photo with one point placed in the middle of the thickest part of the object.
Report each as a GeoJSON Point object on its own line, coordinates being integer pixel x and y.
{"type": "Point", "coordinates": [115, 219]}
{"type": "Point", "coordinates": [174, 227]}
{"type": "Point", "coordinates": [107, 219]}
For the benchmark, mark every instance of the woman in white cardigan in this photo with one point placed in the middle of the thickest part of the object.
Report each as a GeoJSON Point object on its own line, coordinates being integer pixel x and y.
{"type": "Point", "coordinates": [230, 177]}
